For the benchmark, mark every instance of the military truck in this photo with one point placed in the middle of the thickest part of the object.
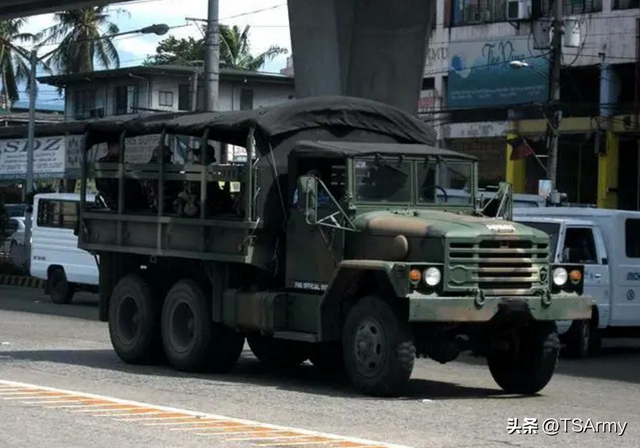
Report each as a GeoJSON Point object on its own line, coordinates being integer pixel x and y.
{"type": "Point", "coordinates": [331, 242]}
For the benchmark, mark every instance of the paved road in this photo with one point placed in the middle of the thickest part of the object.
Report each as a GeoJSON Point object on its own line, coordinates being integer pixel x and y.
{"type": "Point", "coordinates": [453, 405]}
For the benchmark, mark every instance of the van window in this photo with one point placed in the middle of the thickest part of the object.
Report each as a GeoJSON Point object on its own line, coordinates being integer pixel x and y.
{"type": "Point", "coordinates": [579, 246]}
{"type": "Point", "coordinates": [550, 228]}
{"type": "Point", "coordinates": [632, 238]}
{"type": "Point", "coordinates": [57, 214]}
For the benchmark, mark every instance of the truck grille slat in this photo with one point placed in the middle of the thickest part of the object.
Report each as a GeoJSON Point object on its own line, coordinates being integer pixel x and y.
{"type": "Point", "coordinates": [497, 266]}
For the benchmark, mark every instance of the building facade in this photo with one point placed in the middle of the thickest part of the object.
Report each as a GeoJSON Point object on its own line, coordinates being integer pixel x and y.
{"type": "Point", "coordinates": [478, 101]}
{"type": "Point", "coordinates": [164, 89]}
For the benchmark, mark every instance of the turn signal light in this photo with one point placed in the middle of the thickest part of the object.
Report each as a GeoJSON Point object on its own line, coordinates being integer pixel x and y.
{"type": "Point", "coordinates": [575, 276]}
{"type": "Point", "coordinates": [415, 275]}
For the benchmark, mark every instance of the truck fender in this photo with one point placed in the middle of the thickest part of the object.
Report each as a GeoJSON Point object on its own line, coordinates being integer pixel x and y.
{"type": "Point", "coordinates": [352, 280]}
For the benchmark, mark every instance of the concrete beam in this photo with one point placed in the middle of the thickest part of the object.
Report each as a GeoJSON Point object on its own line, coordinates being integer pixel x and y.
{"type": "Point", "coordinates": [10, 9]}
{"type": "Point", "coordinates": [372, 49]}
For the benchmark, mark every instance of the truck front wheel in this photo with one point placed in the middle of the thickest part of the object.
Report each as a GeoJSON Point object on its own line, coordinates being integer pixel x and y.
{"type": "Point", "coordinates": [134, 317]}
{"type": "Point", "coordinates": [378, 347]}
{"type": "Point", "coordinates": [529, 361]}
{"type": "Point", "coordinates": [192, 341]}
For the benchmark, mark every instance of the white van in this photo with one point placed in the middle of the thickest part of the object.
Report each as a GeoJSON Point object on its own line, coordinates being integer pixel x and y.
{"type": "Point", "coordinates": [607, 243]}
{"type": "Point", "coordinates": [55, 255]}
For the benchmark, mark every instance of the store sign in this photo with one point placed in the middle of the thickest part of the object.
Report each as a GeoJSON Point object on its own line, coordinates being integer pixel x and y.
{"type": "Point", "coordinates": [48, 158]}
{"type": "Point", "coordinates": [60, 157]}
{"type": "Point", "coordinates": [480, 75]}
{"type": "Point", "coordinates": [428, 101]}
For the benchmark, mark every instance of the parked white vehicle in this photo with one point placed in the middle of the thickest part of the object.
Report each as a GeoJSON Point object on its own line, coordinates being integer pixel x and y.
{"type": "Point", "coordinates": [55, 255]}
{"type": "Point", "coordinates": [607, 243]}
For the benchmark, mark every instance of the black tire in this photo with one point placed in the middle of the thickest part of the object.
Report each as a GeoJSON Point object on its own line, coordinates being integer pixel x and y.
{"type": "Point", "coordinates": [527, 368]}
{"type": "Point", "coordinates": [192, 341]}
{"type": "Point", "coordinates": [579, 339]}
{"type": "Point", "coordinates": [274, 352]}
{"type": "Point", "coordinates": [387, 366]}
{"type": "Point", "coordinates": [134, 321]}
{"type": "Point", "coordinates": [327, 357]}
{"type": "Point", "coordinates": [60, 290]}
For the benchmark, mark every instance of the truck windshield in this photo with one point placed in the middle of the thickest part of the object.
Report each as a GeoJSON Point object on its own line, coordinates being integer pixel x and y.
{"type": "Point", "coordinates": [383, 180]}
{"type": "Point", "coordinates": [552, 229]}
{"type": "Point", "coordinates": [445, 181]}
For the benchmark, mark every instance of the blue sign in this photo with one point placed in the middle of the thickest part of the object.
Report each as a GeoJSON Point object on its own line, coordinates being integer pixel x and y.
{"type": "Point", "coordinates": [480, 74]}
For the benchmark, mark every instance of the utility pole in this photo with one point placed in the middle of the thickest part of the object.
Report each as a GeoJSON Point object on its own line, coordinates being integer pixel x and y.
{"type": "Point", "coordinates": [553, 124]}
{"type": "Point", "coordinates": [212, 57]}
{"type": "Point", "coordinates": [31, 145]}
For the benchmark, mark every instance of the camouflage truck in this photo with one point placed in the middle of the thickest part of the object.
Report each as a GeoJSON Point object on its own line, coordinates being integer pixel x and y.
{"type": "Point", "coordinates": [332, 241]}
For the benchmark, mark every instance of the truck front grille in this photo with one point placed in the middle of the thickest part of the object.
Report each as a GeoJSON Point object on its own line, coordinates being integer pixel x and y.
{"type": "Point", "coordinates": [497, 267]}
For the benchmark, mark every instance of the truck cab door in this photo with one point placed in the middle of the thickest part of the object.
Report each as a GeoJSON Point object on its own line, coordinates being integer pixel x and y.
{"type": "Point", "coordinates": [584, 245]}
{"type": "Point", "coordinates": [314, 251]}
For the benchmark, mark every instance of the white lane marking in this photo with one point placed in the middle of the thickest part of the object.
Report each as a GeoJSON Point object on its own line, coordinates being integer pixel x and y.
{"type": "Point", "coordinates": [336, 438]}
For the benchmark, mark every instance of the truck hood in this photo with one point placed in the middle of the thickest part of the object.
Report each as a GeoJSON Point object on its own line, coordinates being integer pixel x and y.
{"type": "Point", "coordinates": [433, 223]}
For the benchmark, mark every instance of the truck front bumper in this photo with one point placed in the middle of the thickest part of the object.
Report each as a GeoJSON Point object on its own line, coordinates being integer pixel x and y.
{"type": "Point", "coordinates": [424, 308]}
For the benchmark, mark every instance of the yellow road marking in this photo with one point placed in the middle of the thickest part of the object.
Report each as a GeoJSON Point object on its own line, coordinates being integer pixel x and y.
{"type": "Point", "coordinates": [226, 428]}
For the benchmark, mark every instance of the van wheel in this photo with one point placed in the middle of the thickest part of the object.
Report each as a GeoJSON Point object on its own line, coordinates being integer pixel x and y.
{"type": "Point", "coordinates": [378, 345]}
{"type": "Point", "coordinates": [134, 318]}
{"type": "Point", "coordinates": [60, 290]}
{"type": "Point", "coordinates": [582, 339]}
{"type": "Point", "coordinates": [192, 341]}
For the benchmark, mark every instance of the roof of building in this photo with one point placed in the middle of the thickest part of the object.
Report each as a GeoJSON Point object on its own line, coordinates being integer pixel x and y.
{"type": "Point", "coordinates": [164, 70]}
{"type": "Point", "coordinates": [15, 117]}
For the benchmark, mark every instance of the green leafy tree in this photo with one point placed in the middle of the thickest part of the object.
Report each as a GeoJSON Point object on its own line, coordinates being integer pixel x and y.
{"type": "Point", "coordinates": [80, 35]}
{"type": "Point", "coordinates": [13, 63]}
{"type": "Point", "coordinates": [235, 50]}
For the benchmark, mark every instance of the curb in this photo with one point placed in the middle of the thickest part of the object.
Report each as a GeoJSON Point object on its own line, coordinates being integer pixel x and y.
{"type": "Point", "coordinates": [22, 281]}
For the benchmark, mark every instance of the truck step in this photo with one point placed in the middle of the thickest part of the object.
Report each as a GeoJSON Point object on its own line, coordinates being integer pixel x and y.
{"type": "Point", "coordinates": [296, 336]}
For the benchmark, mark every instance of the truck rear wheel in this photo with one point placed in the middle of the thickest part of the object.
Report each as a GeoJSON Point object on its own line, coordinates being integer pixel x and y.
{"type": "Point", "coordinates": [277, 352]}
{"type": "Point", "coordinates": [379, 350]}
{"type": "Point", "coordinates": [529, 363]}
{"type": "Point", "coordinates": [191, 340]}
{"type": "Point", "coordinates": [134, 317]}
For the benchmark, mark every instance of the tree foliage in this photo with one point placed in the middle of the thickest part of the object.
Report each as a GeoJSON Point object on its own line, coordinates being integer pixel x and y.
{"type": "Point", "coordinates": [14, 65]}
{"type": "Point", "coordinates": [80, 35]}
{"type": "Point", "coordinates": [235, 50]}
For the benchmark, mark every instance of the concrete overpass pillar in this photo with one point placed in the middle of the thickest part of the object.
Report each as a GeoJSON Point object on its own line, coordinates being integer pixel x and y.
{"type": "Point", "coordinates": [372, 49]}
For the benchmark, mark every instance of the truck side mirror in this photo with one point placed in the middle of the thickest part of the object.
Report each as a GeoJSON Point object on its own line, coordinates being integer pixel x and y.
{"type": "Point", "coordinates": [308, 191]}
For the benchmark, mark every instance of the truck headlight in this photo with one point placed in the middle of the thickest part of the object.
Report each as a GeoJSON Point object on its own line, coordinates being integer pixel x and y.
{"type": "Point", "coordinates": [560, 276]}
{"type": "Point", "coordinates": [432, 276]}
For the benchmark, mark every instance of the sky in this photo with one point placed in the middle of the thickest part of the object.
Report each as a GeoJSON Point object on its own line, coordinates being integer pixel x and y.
{"type": "Point", "coordinates": [268, 19]}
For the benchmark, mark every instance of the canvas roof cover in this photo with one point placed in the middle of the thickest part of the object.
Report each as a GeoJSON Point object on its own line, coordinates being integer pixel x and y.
{"type": "Point", "coordinates": [271, 122]}
{"type": "Point", "coordinates": [350, 149]}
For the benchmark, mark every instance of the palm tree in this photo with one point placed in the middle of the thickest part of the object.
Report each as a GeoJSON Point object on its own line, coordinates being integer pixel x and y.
{"type": "Point", "coordinates": [236, 53]}
{"type": "Point", "coordinates": [13, 63]}
{"type": "Point", "coordinates": [80, 38]}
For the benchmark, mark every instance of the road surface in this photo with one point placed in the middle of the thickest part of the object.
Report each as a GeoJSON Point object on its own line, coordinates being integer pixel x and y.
{"type": "Point", "coordinates": [59, 354]}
